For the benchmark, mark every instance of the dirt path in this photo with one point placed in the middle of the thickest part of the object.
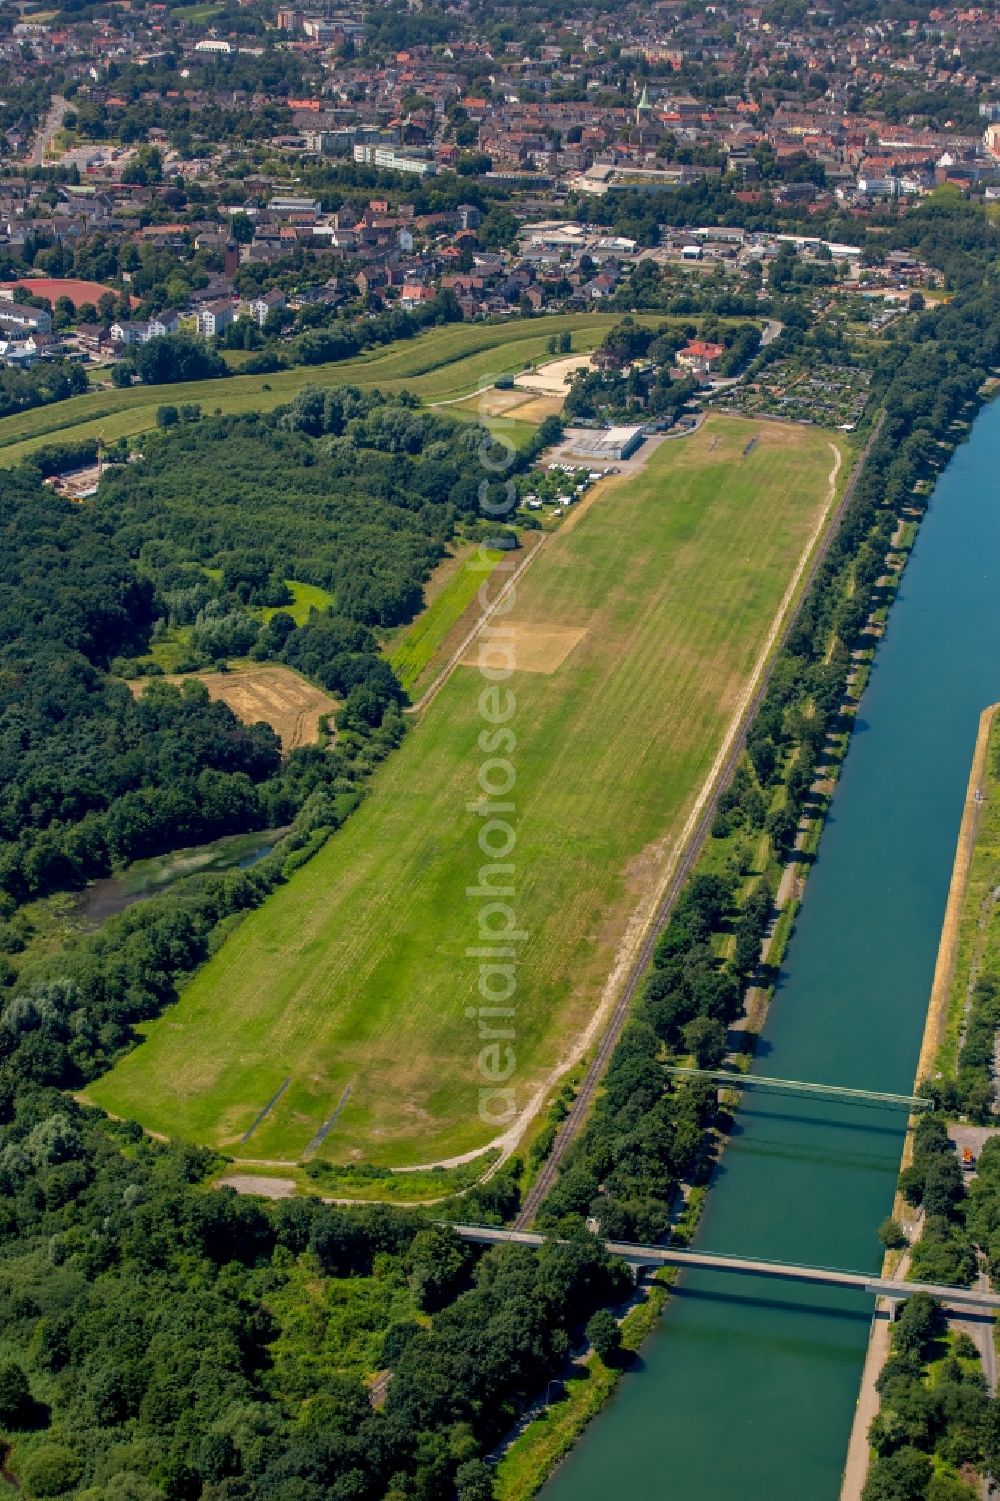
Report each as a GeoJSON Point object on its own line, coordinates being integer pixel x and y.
{"type": "Point", "coordinates": [866, 1409]}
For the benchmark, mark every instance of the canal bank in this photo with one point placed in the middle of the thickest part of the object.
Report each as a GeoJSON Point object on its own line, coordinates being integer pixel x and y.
{"type": "Point", "coordinates": [858, 1449]}
{"type": "Point", "coordinates": [744, 1392]}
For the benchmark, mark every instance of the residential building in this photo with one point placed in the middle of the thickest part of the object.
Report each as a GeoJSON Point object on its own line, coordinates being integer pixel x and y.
{"type": "Point", "coordinates": [213, 317]}
{"type": "Point", "coordinates": [19, 315]}
{"type": "Point", "coordinates": [167, 322]}
{"type": "Point", "coordinates": [261, 306]}
{"type": "Point", "coordinates": [123, 331]}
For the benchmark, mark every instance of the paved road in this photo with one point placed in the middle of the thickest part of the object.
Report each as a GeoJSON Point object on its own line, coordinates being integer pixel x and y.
{"type": "Point", "coordinates": [49, 130]}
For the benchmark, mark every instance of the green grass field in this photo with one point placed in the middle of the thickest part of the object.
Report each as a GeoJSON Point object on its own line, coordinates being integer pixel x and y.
{"type": "Point", "coordinates": [198, 14]}
{"type": "Point", "coordinates": [437, 365]}
{"type": "Point", "coordinates": [305, 597]}
{"type": "Point", "coordinates": [414, 648]}
{"type": "Point", "coordinates": [355, 975]}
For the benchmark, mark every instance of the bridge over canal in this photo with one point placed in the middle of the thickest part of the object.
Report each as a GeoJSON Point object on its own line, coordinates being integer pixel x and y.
{"type": "Point", "coordinates": [986, 1301]}
{"type": "Point", "coordinates": [728, 1079]}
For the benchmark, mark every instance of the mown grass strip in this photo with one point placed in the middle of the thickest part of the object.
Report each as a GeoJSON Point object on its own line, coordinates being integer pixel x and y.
{"type": "Point", "coordinates": [419, 644]}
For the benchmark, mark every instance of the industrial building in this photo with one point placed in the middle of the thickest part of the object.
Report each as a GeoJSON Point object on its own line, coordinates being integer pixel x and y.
{"type": "Point", "coordinates": [606, 443]}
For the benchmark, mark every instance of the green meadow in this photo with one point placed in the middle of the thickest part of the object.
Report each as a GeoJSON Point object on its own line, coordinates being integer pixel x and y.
{"type": "Point", "coordinates": [636, 637]}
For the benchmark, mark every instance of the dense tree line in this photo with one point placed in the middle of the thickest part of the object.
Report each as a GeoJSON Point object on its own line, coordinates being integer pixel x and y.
{"type": "Point", "coordinates": [930, 1428]}
{"type": "Point", "coordinates": [961, 1218]}
{"type": "Point", "coordinates": [364, 514]}
{"type": "Point", "coordinates": [341, 490]}
{"type": "Point", "coordinates": [175, 357]}
{"type": "Point", "coordinates": [153, 1348]}
{"type": "Point", "coordinates": [91, 777]}
{"type": "Point", "coordinates": [52, 380]}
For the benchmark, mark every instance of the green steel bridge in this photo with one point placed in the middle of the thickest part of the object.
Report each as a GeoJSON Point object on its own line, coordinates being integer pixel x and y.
{"type": "Point", "coordinates": [724, 1079]}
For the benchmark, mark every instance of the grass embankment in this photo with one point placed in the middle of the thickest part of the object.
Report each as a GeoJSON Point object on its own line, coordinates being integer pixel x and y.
{"type": "Point", "coordinates": [970, 940]}
{"type": "Point", "coordinates": [637, 632]}
{"type": "Point", "coordinates": [534, 1454]}
{"type": "Point", "coordinates": [437, 365]}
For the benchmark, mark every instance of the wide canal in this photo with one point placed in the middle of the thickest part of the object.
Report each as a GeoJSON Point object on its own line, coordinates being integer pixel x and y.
{"type": "Point", "coordinates": [748, 1389]}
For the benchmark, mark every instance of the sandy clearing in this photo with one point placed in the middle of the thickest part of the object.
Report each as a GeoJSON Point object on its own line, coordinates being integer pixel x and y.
{"type": "Point", "coordinates": [537, 408]}
{"type": "Point", "coordinates": [554, 378]}
{"type": "Point", "coordinates": [268, 1188]}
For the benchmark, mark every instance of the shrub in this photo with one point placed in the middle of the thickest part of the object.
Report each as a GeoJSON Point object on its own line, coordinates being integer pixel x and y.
{"type": "Point", "coordinates": [15, 1394]}
{"type": "Point", "coordinates": [892, 1235]}
{"type": "Point", "coordinates": [605, 1336]}
{"type": "Point", "coordinates": [51, 1470]}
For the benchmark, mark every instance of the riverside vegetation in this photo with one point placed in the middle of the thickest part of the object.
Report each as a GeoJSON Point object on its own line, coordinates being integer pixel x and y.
{"type": "Point", "coordinates": [126, 1286]}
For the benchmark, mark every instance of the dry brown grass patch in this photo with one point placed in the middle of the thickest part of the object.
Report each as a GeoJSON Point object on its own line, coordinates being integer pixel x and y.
{"type": "Point", "coordinates": [525, 646]}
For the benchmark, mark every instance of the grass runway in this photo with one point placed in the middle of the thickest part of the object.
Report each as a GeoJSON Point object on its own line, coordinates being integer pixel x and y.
{"type": "Point", "coordinates": [355, 973]}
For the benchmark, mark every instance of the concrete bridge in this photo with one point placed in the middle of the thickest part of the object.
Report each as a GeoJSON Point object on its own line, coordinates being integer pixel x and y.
{"type": "Point", "coordinates": [895, 1291]}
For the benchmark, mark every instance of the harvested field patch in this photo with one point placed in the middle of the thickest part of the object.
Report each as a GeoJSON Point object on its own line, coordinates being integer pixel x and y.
{"type": "Point", "coordinates": [274, 694]}
{"type": "Point", "coordinates": [537, 408]}
{"type": "Point", "coordinates": [526, 646]}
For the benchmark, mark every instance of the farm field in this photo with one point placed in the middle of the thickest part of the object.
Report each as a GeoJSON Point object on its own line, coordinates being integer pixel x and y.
{"type": "Point", "coordinates": [642, 626]}
{"type": "Point", "coordinates": [272, 693]}
{"type": "Point", "coordinates": [438, 365]}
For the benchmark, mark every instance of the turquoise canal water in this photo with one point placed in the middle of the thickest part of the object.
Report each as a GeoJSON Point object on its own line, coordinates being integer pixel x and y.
{"type": "Point", "coordinates": [748, 1388]}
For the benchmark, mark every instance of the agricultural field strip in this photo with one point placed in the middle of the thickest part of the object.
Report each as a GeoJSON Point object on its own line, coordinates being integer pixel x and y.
{"type": "Point", "coordinates": [355, 971]}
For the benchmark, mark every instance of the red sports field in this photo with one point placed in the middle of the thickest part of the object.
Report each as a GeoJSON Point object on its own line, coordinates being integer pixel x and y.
{"type": "Point", "coordinates": [54, 287]}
